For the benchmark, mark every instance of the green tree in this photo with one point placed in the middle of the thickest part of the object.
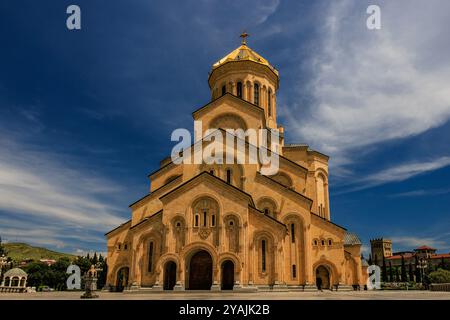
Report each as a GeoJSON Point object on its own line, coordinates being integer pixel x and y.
{"type": "Point", "coordinates": [384, 275]}
{"type": "Point", "coordinates": [410, 272]}
{"type": "Point", "coordinates": [439, 276]}
{"type": "Point", "coordinates": [95, 259]}
{"type": "Point", "coordinates": [403, 270]}
{"type": "Point", "coordinates": [3, 251]}
{"type": "Point", "coordinates": [418, 272]}
{"type": "Point", "coordinates": [391, 275]}
{"type": "Point", "coordinates": [37, 274]}
{"type": "Point", "coordinates": [102, 274]}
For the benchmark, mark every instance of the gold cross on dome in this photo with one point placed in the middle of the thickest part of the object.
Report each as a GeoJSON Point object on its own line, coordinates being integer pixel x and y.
{"type": "Point", "coordinates": [244, 36]}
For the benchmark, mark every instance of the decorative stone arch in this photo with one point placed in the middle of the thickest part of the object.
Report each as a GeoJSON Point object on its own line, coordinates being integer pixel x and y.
{"type": "Point", "coordinates": [189, 251]}
{"type": "Point", "coordinates": [143, 242]}
{"type": "Point", "coordinates": [196, 201]}
{"type": "Point", "coordinates": [115, 273]}
{"type": "Point", "coordinates": [259, 91]}
{"type": "Point", "coordinates": [271, 247]}
{"type": "Point", "coordinates": [283, 178]}
{"type": "Point", "coordinates": [236, 81]}
{"type": "Point", "coordinates": [162, 261]}
{"type": "Point", "coordinates": [296, 246]}
{"type": "Point", "coordinates": [229, 256]}
{"type": "Point", "coordinates": [233, 257]}
{"type": "Point", "coordinates": [332, 269]}
{"type": "Point", "coordinates": [269, 203]}
{"type": "Point", "coordinates": [232, 224]}
{"type": "Point", "coordinates": [179, 229]}
{"type": "Point", "coordinates": [321, 179]}
{"type": "Point", "coordinates": [228, 121]}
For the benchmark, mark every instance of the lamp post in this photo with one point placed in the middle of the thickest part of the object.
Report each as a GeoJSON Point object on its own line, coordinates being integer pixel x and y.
{"type": "Point", "coordinates": [422, 266]}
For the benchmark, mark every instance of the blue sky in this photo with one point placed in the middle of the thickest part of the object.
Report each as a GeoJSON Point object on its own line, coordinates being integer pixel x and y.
{"type": "Point", "coordinates": [86, 115]}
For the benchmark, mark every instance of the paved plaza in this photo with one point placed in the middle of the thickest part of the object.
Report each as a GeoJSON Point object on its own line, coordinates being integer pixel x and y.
{"type": "Point", "coordinates": [326, 295]}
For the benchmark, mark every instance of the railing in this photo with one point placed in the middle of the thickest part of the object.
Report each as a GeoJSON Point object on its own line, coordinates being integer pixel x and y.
{"type": "Point", "coordinates": [440, 287]}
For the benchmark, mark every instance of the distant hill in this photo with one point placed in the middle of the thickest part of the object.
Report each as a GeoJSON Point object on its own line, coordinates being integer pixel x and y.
{"type": "Point", "coordinates": [22, 251]}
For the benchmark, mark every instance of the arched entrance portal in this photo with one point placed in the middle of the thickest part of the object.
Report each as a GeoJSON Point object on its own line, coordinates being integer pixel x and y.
{"type": "Point", "coordinates": [227, 275]}
{"type": "Point", "coordinates": [170, 275]}
{"type": "Point", "coordinates": [200, 271]}
{"type": "Point", "coordinates": [322, 277]}
{"type": "Point", "coordinates": [122, 279]}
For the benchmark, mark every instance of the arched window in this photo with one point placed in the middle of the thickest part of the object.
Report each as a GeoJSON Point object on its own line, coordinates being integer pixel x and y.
{"type": "Point", "coordinates": [269, 102]}
{"type": "Point", "coordinates": [228, 176]}
{"type": "Point", "coordinates": [205, 217]}
{"type": "Point", "coordinates": [205, 212]}
{"type": "Point", "coordinates": [224, 89]}
{"type": "Point", "coordinates": [294, 271]}
{"type": "Point", "coordinates": [266, 211]}
{"type": "Point", "coordinates": [263, 255]}
{"type": "Point", "coordinates": [211, 171]}
{"type": "Point", "coordinates": [256, 94]}
{"type": "Point", "coordinates": [292, 232]}
{"type": "Point", "coordinates": [196, 220]}
{"type": "Point", "coordinates": [150, 257]}
{"type": "Point", "coordinates": [239, 89]}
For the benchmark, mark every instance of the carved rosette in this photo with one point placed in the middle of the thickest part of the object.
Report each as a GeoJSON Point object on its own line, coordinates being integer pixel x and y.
{"type": "Point", "coordinates": [204, 232]}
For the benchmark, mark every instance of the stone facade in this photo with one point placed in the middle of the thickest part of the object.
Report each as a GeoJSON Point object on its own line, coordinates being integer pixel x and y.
{"type": "Point", "coordinates": [220, 227]}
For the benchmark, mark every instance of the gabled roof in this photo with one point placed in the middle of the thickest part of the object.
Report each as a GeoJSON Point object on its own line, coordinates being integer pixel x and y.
{"type": "Point", "coordinates": [208, 175]}
{"type": "Point", "coordinates": [294, 164]}
{"type": "Point", "coordinates": [267, 216]}
{"type": "Point", "coordinates": [425, 248]}
{"type": "Point", "coordinates": [327, 221]}
{"type": "Point", "coordinates": [147, 219]}
{"type": "Point", "coordinates": [303, 197]}
{"type": "Point", "coordinates": [228, 95]}
{"type": "Point", "coordinates": [119, 227]}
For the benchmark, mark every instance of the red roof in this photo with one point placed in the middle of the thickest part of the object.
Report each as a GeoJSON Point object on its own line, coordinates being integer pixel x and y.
{"type": "Point", "coordinates": [440, 256]}
{"type": "Point", "coordinates": [399, 256]}
{"type": "Point", "coordinates": [425, 248]}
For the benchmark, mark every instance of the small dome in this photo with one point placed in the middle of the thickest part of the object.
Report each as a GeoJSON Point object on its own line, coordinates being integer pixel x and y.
{"type": "Point", "coordinates": [243, 53]}
{"type": "Point", "coordinates": [15, 272]}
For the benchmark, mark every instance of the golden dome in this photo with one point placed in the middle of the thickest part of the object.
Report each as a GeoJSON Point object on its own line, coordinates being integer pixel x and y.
{"type": "Point", "coordinates": [243, 53]}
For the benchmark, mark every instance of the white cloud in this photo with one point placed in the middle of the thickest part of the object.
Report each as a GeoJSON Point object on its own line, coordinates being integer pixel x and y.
{"type": "Point", "coordinates": [420, 193]}
{"type": "Point", "coordinates": [414, 242]}
{"type": "Point", "coordinates": [44, 187]}
{"type": "Point", "coordinates": [396, 173]}
{"type": "Point", "coordinates": [373, 86]}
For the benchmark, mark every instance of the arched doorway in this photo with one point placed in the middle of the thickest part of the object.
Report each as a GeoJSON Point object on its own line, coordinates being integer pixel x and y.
{"type": "Point", "coordinates": [227, 275]}
{"type": "Point", "coordinates": [200, 271]}
{"type": "Point", "coordinates": [322, 277]}
{"type": "Point", "coordinates": [170, 275]}
{"type": "Point", "coordinates": [122, 279]}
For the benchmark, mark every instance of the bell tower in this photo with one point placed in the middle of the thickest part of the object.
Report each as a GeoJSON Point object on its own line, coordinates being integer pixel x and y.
{"type": "Point", "coordinates": [247, 75]}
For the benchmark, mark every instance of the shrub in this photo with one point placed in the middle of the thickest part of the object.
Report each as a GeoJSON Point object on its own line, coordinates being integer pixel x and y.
{"type": "Point", "coordinates": [440, 276]}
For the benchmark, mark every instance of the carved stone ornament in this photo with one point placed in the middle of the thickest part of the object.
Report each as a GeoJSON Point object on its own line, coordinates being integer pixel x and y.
{"type": "Point", "coordinates": [204, 233]}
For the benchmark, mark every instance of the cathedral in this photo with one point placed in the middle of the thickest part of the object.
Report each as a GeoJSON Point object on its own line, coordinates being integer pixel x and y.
{"type": "Point", "coordinates": [228, 226]}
